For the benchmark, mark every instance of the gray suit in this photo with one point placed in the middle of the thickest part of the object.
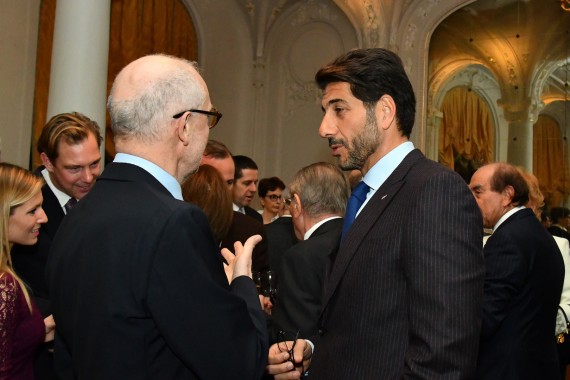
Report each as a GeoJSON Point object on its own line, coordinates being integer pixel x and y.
{"type": "Point", "coordinates": [404, 295]}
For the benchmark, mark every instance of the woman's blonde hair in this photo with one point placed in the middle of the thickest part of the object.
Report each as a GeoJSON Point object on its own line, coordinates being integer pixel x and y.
{"type": "Point", "coordinates": [535, 196]}
{"type": "Point", "coordinates": [17, 186]}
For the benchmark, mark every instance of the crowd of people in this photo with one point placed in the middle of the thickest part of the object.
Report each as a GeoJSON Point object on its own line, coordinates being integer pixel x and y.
{"type": "Point", "coordinates": [379, 265]}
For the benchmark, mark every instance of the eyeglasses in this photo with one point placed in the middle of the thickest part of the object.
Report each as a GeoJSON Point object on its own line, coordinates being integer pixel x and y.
{"type": "Point", "coordinates": [213, 116]}
{"type": "Point", "coordinates": [274, 197]}
{"type": "Point", "coordinates": [283, 347]}
{"type": "Point", "coordinates": [289, 200]}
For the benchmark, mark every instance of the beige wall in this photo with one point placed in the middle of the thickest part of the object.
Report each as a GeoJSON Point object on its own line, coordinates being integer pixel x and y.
{"type": "Point", "coordinates": [18, 36]}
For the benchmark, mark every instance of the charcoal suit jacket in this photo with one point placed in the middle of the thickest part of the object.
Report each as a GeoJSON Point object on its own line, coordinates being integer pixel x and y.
{"type": "Point", "coordinates": [525, 272]}
{"type": "Point", "coordinates": [302, 273]}
{"type": "Point", "coordinates": [139, 291]}
{"type": "Point", "coordinates": [404, 295]}
{"type": "Point", "coordinates": [242, 228]}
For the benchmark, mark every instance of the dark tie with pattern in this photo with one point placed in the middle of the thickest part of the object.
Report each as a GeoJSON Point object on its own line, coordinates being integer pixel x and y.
{"type": "Point", "coordinates": [70, 204]}
{"type": "Point", "coordinates": [356, 200]}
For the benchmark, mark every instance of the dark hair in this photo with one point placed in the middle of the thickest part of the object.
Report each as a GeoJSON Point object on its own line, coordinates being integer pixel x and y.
{"type": "Point", "coordinates": [373, 73]}
{"type": "Point", "coordinates": [544, 216]}
{"type": "Point", "coordinates": [243, 162]}
{"type": "Point", "coordinates": [557, 213]}
{"type": "Point", "coordinates": [508, 175]}
{"type": "Point", "coordinates": [217, 150]}
{"type": "Point", "coordinates": [266, 185]}
{"type": "Point", "coordinates": [72, 127]}
{"type": "Point", "coordinates": [207, 189]}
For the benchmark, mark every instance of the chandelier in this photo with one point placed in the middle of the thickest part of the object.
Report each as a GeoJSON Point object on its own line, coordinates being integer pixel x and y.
{"type": "Point", "coordinates": [565, 4]}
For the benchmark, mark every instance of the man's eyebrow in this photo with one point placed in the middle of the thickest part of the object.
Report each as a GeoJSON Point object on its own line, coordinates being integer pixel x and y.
{"type": "Point", "coordinates": [332, 102]}
{"type": "Point", "coordinates": [476, 187]}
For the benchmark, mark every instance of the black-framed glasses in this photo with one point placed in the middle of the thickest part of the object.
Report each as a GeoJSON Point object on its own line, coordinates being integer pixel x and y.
{"type": "Point", "coordinates": [274, 197]}
{"type": "Point", "coordinates": [213, 116]}
{"type": "Point", "coordinates": [284, 347]}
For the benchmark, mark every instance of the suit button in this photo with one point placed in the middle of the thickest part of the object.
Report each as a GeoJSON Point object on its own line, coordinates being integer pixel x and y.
{"type": "Point", "coordinates": [321, 332]}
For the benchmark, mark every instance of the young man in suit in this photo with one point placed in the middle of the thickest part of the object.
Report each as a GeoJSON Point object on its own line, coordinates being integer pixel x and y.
{"type": "Point", "coordinates": [404, 294]}
{"type": "Point", "coordinates": [219, 157]}
{"type": "Point", "coordinates": [245, 186]}
{"type": "Point", "coordinates": [138, 286]}
{"type": "Point", "coordinates": [523, 283]}
{"type": "Point", "coordinates": [317, 204]}
{"type": "Point", "coordinates": [69, 149]}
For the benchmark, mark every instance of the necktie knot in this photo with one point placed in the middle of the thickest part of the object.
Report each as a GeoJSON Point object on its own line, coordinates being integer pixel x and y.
{"type": "Point", "coordinates": [70, 204]}
{"type": "Point", "coordinates": [357, 198]}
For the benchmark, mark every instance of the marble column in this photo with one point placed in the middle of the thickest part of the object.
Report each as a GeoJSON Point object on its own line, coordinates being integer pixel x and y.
{"type": "Point", "coordinates": [78, 77]}
{"type": "Point", "coordinates": [520, 143]}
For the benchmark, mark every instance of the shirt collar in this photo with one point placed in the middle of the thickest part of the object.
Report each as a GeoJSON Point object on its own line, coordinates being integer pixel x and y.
{"type": "Point", "coordinates": [62, 197]}
{"type": "Point", "coordinates": [317, 225]}
{"type": "Point", "coordinates": [161, 175]}
{"type": "Point", "coordinates": [506, 216]}
{"type": "Point", "coordinates": [381, 170]}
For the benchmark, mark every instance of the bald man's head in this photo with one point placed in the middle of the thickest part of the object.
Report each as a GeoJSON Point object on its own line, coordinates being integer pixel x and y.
{"type": "Point", "coordinates": [148, 91]}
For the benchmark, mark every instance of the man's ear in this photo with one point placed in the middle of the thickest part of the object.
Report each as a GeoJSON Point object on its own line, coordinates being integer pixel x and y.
{"type": "Point", "coordinates": [182, 130]}
{"type": "Point", "coordinates": [508, 194]}
{"type": "Point", "coordinates": [46, 162]}
{"type": "Point", "coordinates": [385, 111]}
{"type": "Point", "coordinates": [297, 208]}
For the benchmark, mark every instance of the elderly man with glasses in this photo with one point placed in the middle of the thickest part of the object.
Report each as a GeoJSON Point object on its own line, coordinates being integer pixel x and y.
{"type": "Point", "coordinates": [139, 286]}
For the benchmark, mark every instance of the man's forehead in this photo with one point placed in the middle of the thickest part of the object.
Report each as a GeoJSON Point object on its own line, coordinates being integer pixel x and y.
{"type": "Point", "coordinates": [249, 174]}
{"type": "Point", "coordinates": [337, 88]}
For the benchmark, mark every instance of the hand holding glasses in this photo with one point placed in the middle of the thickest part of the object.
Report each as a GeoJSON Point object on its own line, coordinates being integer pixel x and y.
{"type": "Point", "coordinates": [289, 355]}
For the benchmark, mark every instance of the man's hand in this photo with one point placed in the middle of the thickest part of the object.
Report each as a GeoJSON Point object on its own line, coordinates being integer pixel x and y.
{"type": "Point", "coordinates": [240, 263]}
{"type": "Point", "coordinates": [282, 366]}
{"type": "Point", "coordinates": [50, 328]}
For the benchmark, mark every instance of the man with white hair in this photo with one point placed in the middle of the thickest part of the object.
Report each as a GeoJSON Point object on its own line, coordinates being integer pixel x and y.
{"type": "Point", "coordinates": [139, 290]}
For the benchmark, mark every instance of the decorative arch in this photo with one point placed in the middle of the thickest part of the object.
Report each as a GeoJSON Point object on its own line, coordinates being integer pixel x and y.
{"type": "Point", "coordinates": [412, 40]}
{"type": "Point", "coordinates": [467, 131]}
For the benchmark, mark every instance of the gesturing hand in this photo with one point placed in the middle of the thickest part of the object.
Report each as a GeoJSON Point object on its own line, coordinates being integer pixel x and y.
{"type": "Point", "coordinates": [240, 263]}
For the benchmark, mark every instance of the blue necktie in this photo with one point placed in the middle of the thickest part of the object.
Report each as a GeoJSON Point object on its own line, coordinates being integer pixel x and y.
{"type": "Point", "coordinates": [355, 201]}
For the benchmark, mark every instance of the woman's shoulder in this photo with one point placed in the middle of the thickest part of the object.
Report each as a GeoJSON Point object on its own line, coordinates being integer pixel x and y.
{"type": "Point", "coordinates": [8, 287]}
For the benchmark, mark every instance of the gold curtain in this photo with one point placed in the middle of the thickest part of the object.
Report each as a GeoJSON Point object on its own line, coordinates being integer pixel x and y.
{"type": "Point", "coordinates": [43, 68]}
{"type": "Point", "coordinates": [467, 128]}
{"type": "Point", "coordinates": [138, 28]}
{"type": "Point", "coordinates": [141, 27]}
{"type": "Point", "coordinates": [550, 161]}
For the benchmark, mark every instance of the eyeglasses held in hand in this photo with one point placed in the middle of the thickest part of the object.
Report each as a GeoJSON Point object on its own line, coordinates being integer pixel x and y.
{"type": "Point", "coordinates": [282, 345]}
{"type": "Point", "coordinates": [213, 116]}
{"type": "Point", "coordinates": [289, 200]}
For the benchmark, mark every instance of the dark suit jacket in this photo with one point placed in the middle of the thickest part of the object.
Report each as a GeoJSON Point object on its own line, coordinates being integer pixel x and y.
{"type": "Point", "coordinates": [302, 273]}
{"type": "Point", "coordinates": [253, 213]}
{"type": "Point", "coordinates": [139, 291]}
{"type": "Point", "coordinates": [241, 229]}
{"type": "Point", "coordinates": [280, 237]}
{"type": "Point", "coordinates": [523, 283]}
{"type": "Point", "coordinates": [404, 296]}
{"type": "Point", "coordinates": [30, 260]}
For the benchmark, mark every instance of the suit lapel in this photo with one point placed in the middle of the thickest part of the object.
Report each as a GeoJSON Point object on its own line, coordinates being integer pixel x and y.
{"type": "Point", "coordinates": [371, 212]}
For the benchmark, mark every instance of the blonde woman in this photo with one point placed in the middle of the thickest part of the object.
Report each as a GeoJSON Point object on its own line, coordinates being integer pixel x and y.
{"type": "Point", "coordinates": [22, 328]}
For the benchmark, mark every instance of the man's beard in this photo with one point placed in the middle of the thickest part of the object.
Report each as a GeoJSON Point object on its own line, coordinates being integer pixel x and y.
{"type": "Point", "coordinates": [362, 146]}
